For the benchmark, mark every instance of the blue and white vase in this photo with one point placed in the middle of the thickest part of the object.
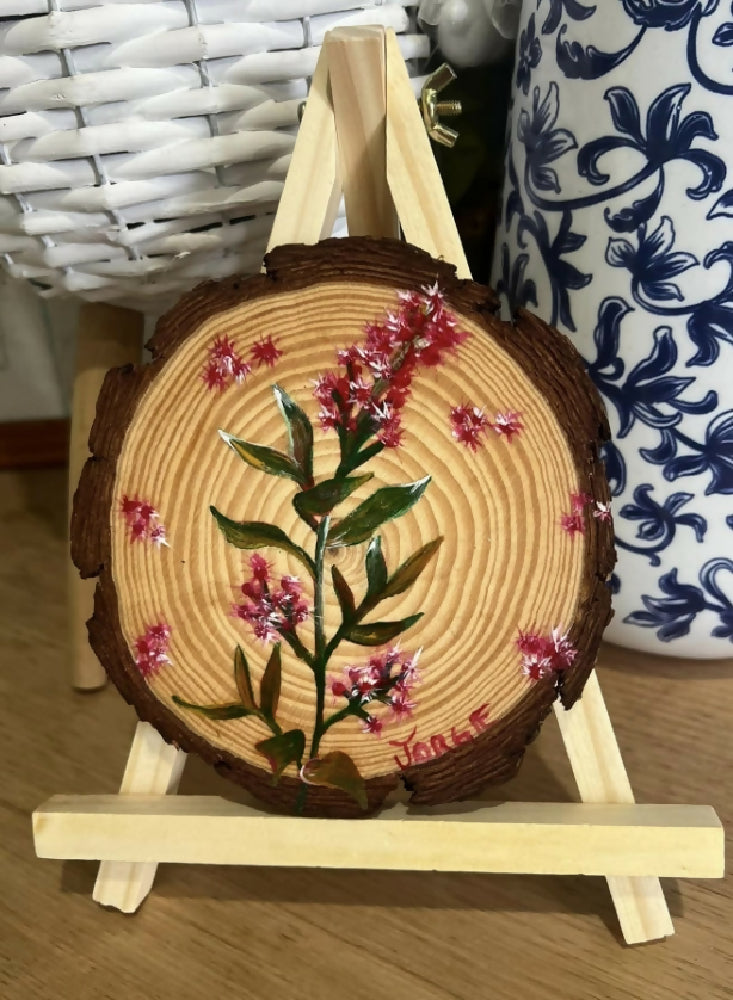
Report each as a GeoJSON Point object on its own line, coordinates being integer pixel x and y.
{"type": "Point", "coordinates": [617, 227]}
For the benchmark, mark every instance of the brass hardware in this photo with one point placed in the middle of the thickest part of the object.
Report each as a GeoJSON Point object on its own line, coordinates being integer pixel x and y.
{"type": "Point", "coordinates": [432, 108]}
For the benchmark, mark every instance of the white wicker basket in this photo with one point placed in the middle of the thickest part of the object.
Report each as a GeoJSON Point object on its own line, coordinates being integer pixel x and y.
{"type": "Point", "coordinates": [144, 143]}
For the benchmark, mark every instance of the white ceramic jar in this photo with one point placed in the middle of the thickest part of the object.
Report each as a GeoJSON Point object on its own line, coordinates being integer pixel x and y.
{"type": "Point", "coordinates": [617, 227]}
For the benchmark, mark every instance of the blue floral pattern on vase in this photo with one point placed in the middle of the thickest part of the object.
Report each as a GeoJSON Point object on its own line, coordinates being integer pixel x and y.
{"type": "Point", "coordinates": [616, 227]}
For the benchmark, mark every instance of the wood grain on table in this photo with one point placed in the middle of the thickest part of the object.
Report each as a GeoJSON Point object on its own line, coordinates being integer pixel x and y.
{"type": "Point", "coordinates": [287, 934]}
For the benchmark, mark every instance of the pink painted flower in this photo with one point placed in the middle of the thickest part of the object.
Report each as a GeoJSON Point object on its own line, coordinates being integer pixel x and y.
{"type": "Point", "coordinates": [508, 424]}
{"type": "Point", "coordinates": [259, 566]}
{"type": "Point", "coordinates": [339, 689]}
{"type": "Point", "coordinates": [151, 649]}
{"type": "Point", "coordinates": [372, 725]}
{"type": "Point", "coordinates": [224, 365]}
{"type": "Point", "coordinates": [401, 706]}
{"type": "Point", "coordinates": [375, 375]}
{"type": "Point", "coordinates": [271, 611]}
{"type": "Point", "coordinates": [545, 656]}
{"type": "Point", "coordinates": [222, 350]}
{"type": "Point", "coordinates": [265, 352]}
{"type": "Point", "coordinates": [157, 535]}
{"type": "Point", "coordinates": [572, 524]}
{"type": "Point", "coordinates": [214, 377]}
{"type": "Point", "coordinates": [468, 423]}
{"type": "Point", "coordinates": [387, 678]}
{"type": "Point", "coordinates": [602, 511]}
{"type": "Point", "coordinates": [564, 652]}
{"type": "Point", "coordinates": [240, 369]}
{"type": "Point", "coordinates": [142, 521]}
{"type": "Point", "coordinates": [579, 501]}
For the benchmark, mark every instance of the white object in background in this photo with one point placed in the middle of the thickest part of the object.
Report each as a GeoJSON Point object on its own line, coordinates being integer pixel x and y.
{"type": "Point", "coordinates": [472, 32]}
{"type": "Point", "coordinates": [144, 145]}
{"type": "Point", "coordinates": [616, 228]}
{"type": "Point", "coordinates": [29, 383]}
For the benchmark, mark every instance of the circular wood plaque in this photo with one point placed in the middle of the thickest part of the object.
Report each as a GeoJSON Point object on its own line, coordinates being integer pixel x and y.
{"type": "Point", "coordinates": [348, 526]}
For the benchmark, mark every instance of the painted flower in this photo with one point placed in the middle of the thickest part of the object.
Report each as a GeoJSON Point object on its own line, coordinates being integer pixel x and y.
{"type": "Point", "coordinates": [668, 14]}
{"type": "Point", "coordinates": [265, 352]}
{"type": "Point", "coordinates": [151, 649]}
{"type": "Point", "coordinates": [387, 679]}
{"type": "Point", "coordinates": [142, 521]}
{"type": "Point", "coordinates": [572, 524]}
{"type": "Point", "coordinates": [563, 276]}
{"type": "Point", "coordinates": [714, 455]}
{"type": "Point", "coordinates": [224, 366]}
{"type": "Point", "coordinates": [653, 262]}
{"type": "Point", "coordinates": [545, 655]}
{"type": "Point", "coordinates": [673, 614]}
{"type": "Point", "coordinates": [529, 54]}
{"type": "Point", "coordinates": [579, 502]}
{"type": "Point", "coordinates": [658, 522]}
{"type": "Point", "coordinates": [508, 425]}
{"type": "Point", "coordinates": [271, 611]}
{"type": "Point", "coordinates": [667, 135]}
{"type": "Point", "coordinates": [469, 424]}
{"type": "Point", "coordinates": [572, 8]}
{"type": "Point", "coordinates": [372, 725]}
{"type": "Point", "coordinates": [649, 393]}
{"type": "Point", "coordinates": [602, 511]}
{"type": "Point", "coordinates": [543, 143]}
{"type": "Point", "coordinates": [402, 707]}
{"type": "Point", "coordinates": [374, 379]}
{"type": "Point", "coordinates": [711, 321]}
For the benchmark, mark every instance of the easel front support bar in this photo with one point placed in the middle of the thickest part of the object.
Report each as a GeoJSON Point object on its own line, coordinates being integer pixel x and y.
{"type": "Point", "coordinates": [511, 837]}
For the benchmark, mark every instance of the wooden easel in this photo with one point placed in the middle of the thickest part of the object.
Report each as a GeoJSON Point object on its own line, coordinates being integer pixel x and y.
{"type": "Point", "coordinates": [362, 134]}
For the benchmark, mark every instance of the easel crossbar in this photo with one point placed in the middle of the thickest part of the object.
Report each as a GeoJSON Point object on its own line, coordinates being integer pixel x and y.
{"type": "Point", "coordinates": [543, 838]}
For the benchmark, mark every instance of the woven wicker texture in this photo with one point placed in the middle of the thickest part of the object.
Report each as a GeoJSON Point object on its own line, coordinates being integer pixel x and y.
{"type": "Point", "coordinates": [144, 145]}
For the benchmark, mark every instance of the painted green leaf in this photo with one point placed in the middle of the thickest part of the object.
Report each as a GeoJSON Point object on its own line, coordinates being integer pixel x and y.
{"type": "Point", "coordinates": [287, 748]}
{"type": "Point", "coordinates": [326, 495]}
{"type": "Point", "coordinates": [376, 568]}
{"type": "Point", "coordinates": [300, 433]}
{"type": "Point", "coordinates": [259, 535]}
{"type": "Point", "coordinates": [337, 770]}
{"type": "Point", "coordinates": [259, 456]}
{"type": "Point", "coordinates": [233, 710]}
{"type": "Point", "coordinates": [380, 632]}
{"type": "Point", "coordinates": [410, 570]}
{"type": "Point", "coordinates": [345, 595]}
{"type": "Point", "coordinates": [362, 457]}
{"type": "Point", "coordinates": [271, 683]}
{"type": "Point", "coordinates": [243, 680]}
{"type": "Point", "coordinates": [384, 505]}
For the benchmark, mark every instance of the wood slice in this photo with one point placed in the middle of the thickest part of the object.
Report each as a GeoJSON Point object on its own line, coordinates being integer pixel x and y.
{"type": "Point", "coordinates": [463, 486]}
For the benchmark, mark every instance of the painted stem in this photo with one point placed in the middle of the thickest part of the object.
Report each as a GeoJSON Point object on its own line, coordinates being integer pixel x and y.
{"type": "Point", "coordinates": [715, 86]}
{"type": "Point", "coordinates": [586, 201]}
{"type": "Point", "coordinates": [682, 310]}
{"type": "Point", "coordinates": [320, 659]}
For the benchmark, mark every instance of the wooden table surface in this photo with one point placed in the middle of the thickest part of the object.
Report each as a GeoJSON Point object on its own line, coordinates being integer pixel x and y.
{"type": "Point", "coordinates": [259, 933]}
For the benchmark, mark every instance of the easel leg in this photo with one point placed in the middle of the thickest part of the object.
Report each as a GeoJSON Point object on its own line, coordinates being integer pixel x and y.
{"type": "Point", "coordinates": [153, 768]}
{"type": "Point", "coordinates": [600, 774]}
{"type": "Point", "coordinates": [108, 336]}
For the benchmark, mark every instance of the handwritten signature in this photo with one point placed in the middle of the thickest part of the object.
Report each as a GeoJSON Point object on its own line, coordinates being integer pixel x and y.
{"type": "Point", "coordinates": [418, 753]}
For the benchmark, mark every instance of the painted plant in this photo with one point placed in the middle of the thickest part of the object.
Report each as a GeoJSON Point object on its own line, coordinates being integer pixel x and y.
{"type": "Point", "coordinates": [361, 401]}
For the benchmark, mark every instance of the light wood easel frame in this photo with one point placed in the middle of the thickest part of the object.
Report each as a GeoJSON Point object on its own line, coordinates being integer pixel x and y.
{"type": "Point", "coordinates": [362, 134]}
